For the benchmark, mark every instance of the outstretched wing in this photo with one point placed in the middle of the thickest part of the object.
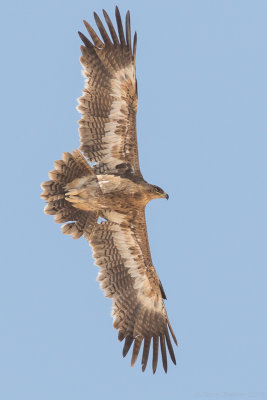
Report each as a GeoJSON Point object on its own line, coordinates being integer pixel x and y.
{"type": "Point", "coordinates": [127, 276]}
{"type": "Point", "coordinates": [109, 103]}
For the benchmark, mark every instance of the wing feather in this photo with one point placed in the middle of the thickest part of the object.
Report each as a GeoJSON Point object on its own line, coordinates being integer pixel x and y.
{"type": "Point", "coordinates": [98, 43]}
{"type": "Point", "coordinates": [145, 352]}
{"type": "Point", "coordinates": [111, 28]}
{"type": "Point", "coordinates": [127, 345]}
{"type": "Point", "coordinates": [109, 102]}
{"type": "Point", "coordinates": [85, 40]}
{"type": "Point", "coordinates": [134, 46]}
{"type": "Point", "coordinates": [102, 30]}
{"type": "Point", "coordinates": [163, 353]}
{"type": "Point", "coordinates": [169, 345]}
{"type": "Point", "coordinates": [129, 278]}
{"type": "Point", "coordinates": [136, 348]}
{"type": "Point", "coordinates": [128, 31]}
{"type": "Point", "coordinates": [120, 27]}
{"type": "Point", "coordinates": [155, 353]}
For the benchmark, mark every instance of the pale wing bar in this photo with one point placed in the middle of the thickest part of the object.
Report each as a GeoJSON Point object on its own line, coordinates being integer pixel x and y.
{"type": "Point", "coordinates": [138, 309]}
{"type": "Point", "coordinates": [109, 103]}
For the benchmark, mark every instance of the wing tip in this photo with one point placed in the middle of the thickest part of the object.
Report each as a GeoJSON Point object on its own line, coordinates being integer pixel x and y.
{"type": "Point", "coordinates": [137, 344]}
{"type": "Point", "coordinates": [85, 40]}
{"type": "Point", "coordinates": [127, 345]}
{"type": "Point", "coordinates": [172, 333]}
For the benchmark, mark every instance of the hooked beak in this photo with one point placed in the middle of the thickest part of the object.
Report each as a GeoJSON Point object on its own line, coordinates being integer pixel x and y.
{"type": "Point", "coordinates": [167, 196]}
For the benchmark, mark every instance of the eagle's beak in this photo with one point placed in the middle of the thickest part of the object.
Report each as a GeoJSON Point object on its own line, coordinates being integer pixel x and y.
{"type": "Point", "coordinates": [167, 196]}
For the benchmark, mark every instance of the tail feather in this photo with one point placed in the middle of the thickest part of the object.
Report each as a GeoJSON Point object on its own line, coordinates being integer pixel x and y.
{"type": "Point", "coordinates": [85, 222]}
{"type": "Point", "coordinates": [71, 166]}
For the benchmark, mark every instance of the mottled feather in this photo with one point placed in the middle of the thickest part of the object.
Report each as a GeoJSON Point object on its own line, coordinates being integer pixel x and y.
{"type": "Point", "coordinates": [128, 277]}
{"type": "Point", "coordinates": [108, 131]}
{"type": "Point", "coordinates": [77, 194]}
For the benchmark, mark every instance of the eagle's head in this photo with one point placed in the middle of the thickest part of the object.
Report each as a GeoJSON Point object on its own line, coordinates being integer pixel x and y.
{"type": "Point", "coordinates": [159, 193]}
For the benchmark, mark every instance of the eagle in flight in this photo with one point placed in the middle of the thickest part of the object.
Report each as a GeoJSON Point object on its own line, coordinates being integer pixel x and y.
{"type": "Point", "coordinates": [105, 201]}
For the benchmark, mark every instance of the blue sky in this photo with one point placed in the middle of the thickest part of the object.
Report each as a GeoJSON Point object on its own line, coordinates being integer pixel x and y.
{"type": "Point", "coordinates": [201, 68]}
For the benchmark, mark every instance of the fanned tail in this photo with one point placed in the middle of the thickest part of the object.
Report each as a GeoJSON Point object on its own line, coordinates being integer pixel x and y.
{"type": "Point", "coordinates": [71, 166]}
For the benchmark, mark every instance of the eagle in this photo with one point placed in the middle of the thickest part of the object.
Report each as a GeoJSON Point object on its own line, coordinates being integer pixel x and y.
{"type": "Point", "coordinates": [99, 192]}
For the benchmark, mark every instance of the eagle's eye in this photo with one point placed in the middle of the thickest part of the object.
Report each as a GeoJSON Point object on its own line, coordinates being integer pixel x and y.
{"type": "Point", "coordinates": [158, 190]}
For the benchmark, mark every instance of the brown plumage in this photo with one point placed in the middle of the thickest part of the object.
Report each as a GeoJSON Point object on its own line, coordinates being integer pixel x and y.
{"type": "Point", "coordinates": [113, 188]}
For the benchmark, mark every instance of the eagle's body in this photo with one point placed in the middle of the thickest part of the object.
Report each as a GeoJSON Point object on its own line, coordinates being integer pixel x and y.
{"type": "Point", "coordinates": [113, 189]}
{"type": "Point", "coordinates": [117, 193]}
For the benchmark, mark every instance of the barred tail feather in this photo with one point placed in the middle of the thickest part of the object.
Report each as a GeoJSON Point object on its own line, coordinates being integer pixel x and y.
{"type": "Point", "coordinates": [80, 222]}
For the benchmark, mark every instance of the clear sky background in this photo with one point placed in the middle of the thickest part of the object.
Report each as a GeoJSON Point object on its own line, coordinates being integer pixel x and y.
{"type": "Point", "coordinates": [201, 68]}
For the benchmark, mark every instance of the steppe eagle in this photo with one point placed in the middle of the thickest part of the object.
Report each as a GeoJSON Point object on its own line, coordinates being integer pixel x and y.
{"type": "Point", "coordinates": [112, 189]}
